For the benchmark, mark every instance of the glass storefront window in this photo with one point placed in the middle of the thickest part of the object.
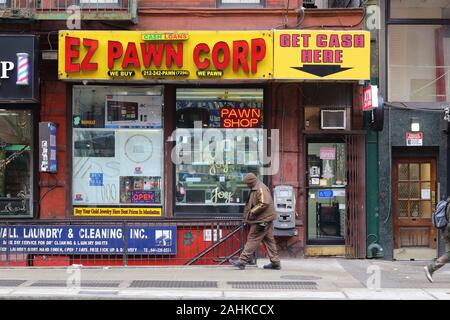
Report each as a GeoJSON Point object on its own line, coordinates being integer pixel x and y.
{"type": "Point", "coordinates": [219, 140]}
{"type": "Point", "coordinates": [420, 9]}
{"type": "Point", "coordinates": [16, 163]}
{"type": "Point", "coordinates": [327, 192]}
{"type": "Point", "coordinates": [117, 146]}
{"type": "Point", "coordinates": [418, 63]}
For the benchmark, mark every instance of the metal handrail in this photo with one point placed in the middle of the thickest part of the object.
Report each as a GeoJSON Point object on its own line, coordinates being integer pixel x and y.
{"type": "Point", "coordinates": [215, 245]}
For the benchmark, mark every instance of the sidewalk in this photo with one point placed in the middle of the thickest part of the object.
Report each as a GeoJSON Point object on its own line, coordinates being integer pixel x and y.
{"type": "Point", "coordinates": [314, 278]}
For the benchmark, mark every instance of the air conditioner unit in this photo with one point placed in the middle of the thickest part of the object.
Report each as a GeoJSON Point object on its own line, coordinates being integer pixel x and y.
{"type": "Point", "coordinates": [333, 119]}
{"type": "Point", "coordinates": [309, 3]}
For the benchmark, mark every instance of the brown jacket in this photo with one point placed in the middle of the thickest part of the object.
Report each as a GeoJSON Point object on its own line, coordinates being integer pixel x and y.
{"type": "Point", "coordinates": [259, 207]}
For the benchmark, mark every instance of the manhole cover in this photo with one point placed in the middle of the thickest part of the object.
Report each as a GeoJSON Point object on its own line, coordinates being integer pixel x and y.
{"type": "Point", "coordinates": [172, 284]}
{"type": "Point", "coordinates": [300, 277]}
{"type": "Point", "coordinates": [11, 283]}
{"type": "Point", "coordinates": [299, 285]}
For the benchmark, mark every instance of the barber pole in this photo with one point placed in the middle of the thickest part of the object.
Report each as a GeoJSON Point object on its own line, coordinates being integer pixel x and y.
{"type": "Point", "coordinates": [23, 70]}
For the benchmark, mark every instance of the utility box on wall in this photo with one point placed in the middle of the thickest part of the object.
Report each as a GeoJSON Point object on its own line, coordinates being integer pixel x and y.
{"type": "Point", "coordinates": [284, 202]}
{"type": "Point", "coordinates": [47, 147]}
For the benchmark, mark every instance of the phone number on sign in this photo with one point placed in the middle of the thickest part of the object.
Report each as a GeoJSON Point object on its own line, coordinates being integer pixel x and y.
{"type": "Point", "coordinates": [165, 73]}
{"type": "Point", "coordinates": [159, 250]}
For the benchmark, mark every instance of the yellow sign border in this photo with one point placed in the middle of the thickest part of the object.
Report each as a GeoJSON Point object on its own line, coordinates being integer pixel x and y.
{"type": "Point", "coordinates": [116, 212]}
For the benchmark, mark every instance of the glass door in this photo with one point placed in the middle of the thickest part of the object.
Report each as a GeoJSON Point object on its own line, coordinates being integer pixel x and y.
{"type": "Point", "coordinates": [327, 184]}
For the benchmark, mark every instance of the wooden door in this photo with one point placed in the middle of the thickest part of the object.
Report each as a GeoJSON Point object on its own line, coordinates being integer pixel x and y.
{"type": "Point", "coordinates": [414, 199]}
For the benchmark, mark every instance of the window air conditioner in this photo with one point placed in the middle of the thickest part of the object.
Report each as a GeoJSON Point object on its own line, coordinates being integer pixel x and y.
{"type": "Point", "coordinates": [333, 119]}
{"type": "Point", "coordinates": [309, 3]}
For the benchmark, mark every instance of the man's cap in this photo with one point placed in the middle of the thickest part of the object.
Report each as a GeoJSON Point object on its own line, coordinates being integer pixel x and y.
{"type": "Point", "coordinates": [250, 178]}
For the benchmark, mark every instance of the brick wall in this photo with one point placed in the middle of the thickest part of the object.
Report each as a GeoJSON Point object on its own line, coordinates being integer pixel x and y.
{"type": "Point", "coordinates": [52, 189]}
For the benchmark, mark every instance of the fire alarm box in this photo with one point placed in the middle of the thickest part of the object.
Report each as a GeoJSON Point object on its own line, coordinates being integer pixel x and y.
{"type": "Point", "coordinates": [284, 202]}
{"type": "Point", "coordinates": [47, 147]}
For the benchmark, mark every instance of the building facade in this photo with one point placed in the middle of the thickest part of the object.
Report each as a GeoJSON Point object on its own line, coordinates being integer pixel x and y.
{"type": "Point", "coordinates": [413, 146]}
{"type": "Point", "coordinates": [129, 95]}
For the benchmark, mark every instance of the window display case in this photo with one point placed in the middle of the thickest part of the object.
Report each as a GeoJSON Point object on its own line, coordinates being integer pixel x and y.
{"type": "Point", "coordinates": [16, 166]}
{"type": "Point", "coordinates": [219, 140]}
{"type": "Point", "coordinates": [117, 146]}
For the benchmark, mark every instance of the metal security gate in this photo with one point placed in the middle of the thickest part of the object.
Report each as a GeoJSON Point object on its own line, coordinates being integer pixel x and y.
{"type": "Point", "coordinates": [355, 246]}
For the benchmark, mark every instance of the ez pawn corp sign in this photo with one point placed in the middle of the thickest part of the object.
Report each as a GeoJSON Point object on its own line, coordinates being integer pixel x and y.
{"type": "Point", "coordinates": [322, 55]}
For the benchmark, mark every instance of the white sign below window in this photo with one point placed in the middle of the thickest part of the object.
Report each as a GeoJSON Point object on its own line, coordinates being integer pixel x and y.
{"type": "Point", "coordinates": [207, 234]}
{"type": "Point", "coordinates": [414, 139]}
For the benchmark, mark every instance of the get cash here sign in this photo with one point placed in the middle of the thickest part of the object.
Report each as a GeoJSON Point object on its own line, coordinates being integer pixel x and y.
{"type": "Point", "coordinates": [200, 55]}
{"type": "Point", "coordinates": [337, 55]}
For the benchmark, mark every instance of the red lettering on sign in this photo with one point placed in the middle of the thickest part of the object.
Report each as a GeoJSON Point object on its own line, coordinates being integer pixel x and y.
{"type": "Point", "coordinates": [131, 56]}
{"type": "Point", "coordinates": [338, 56]}
{"type": "Point", "coordinates": [71, 54]}
{"type": "Point", "coordinates": [115, 51]}
{"type": "Point", "coordinates": [321, 56]}
{"type": "Point", "coordinates": [174, 56]}
{"type": "Point", "coordinates": [305, 38]}
{"type": "Point", "coordinates": [221, 47]}
{"type": "Point", "coordinates": [152, 52]}
{"type": "Point", "coordinates": [347, 41]}
{"type": "Point", "coordinates": [240, 53]}
{"type": "Point", "coordinates": [285, 40]}
{"type": "Point", "coordinates": [258, 52]}
{"type": "Point", "coordinates": [334, 41]}
{"type": "Point", "coordinates": [358, 41]}
{"type": "Point", "coordinates": [198, 50]}
{"type": "Point", "coordinates": [92, 46]}
{"type": "Point", "coordinates": [321, 40]}
{"type": "Point", "coordinates": [221, 55]}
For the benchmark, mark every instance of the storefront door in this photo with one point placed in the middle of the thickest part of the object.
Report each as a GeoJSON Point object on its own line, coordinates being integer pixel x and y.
{"type": "Point", "coordinates": [327, 184]}
{"type": "Point", "coordinates": [414, 197]}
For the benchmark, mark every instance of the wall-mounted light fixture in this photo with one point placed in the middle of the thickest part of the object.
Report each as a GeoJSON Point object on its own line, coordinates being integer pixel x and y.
{"type": "Point", "coordinates": [415, 125]}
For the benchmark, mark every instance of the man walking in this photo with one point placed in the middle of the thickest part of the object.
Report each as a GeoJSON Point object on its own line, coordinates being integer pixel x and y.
{"type": "Point", "coordinates": [441, 261]}
{"type": "Point", "coordinates": [259, 213]}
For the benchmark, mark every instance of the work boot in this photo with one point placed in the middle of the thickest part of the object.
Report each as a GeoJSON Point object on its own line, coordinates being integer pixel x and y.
{"type": "Point", "coordinates": [238, 264]}
{"type": "Point", "coordinates": [429, 273]}
{"type": "Point", "coordinates": [275, 266]}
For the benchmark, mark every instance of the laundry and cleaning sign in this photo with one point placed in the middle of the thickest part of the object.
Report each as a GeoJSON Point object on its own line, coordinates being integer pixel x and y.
{"type": "Point", "coordinates": [199, 55]}
{"type": "Point", "coordinates": [88, 240]}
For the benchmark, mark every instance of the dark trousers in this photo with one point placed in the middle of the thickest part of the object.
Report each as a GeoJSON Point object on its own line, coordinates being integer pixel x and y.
{"type": "Point", "coordinates": [257, 235]}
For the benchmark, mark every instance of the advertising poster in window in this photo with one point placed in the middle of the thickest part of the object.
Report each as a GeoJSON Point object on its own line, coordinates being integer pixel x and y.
{"type": "Point", "coordinates": [133, 111]}
{"type": "Point", "coordinates": [122, 167]}
{"type": "Point", "coordinates": [117, 151]}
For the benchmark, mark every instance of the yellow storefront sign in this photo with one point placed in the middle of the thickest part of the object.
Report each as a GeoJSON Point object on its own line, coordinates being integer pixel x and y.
{"type": "Point", "coordinates": [117, 212]}
{"type": "Point", "coordinates": [321, 55]}
{"type": "Point", "coordinates": [169, 55]}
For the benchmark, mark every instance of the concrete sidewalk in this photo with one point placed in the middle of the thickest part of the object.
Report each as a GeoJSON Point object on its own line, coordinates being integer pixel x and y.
{"type": "Point", "coordinates": [314, 278]}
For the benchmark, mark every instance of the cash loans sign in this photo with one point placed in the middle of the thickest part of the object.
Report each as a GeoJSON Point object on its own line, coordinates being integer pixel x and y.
{"type": "Point", "coordinates": [337, 55]}
{"type": "Point", "coordinates": [138, 55]}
